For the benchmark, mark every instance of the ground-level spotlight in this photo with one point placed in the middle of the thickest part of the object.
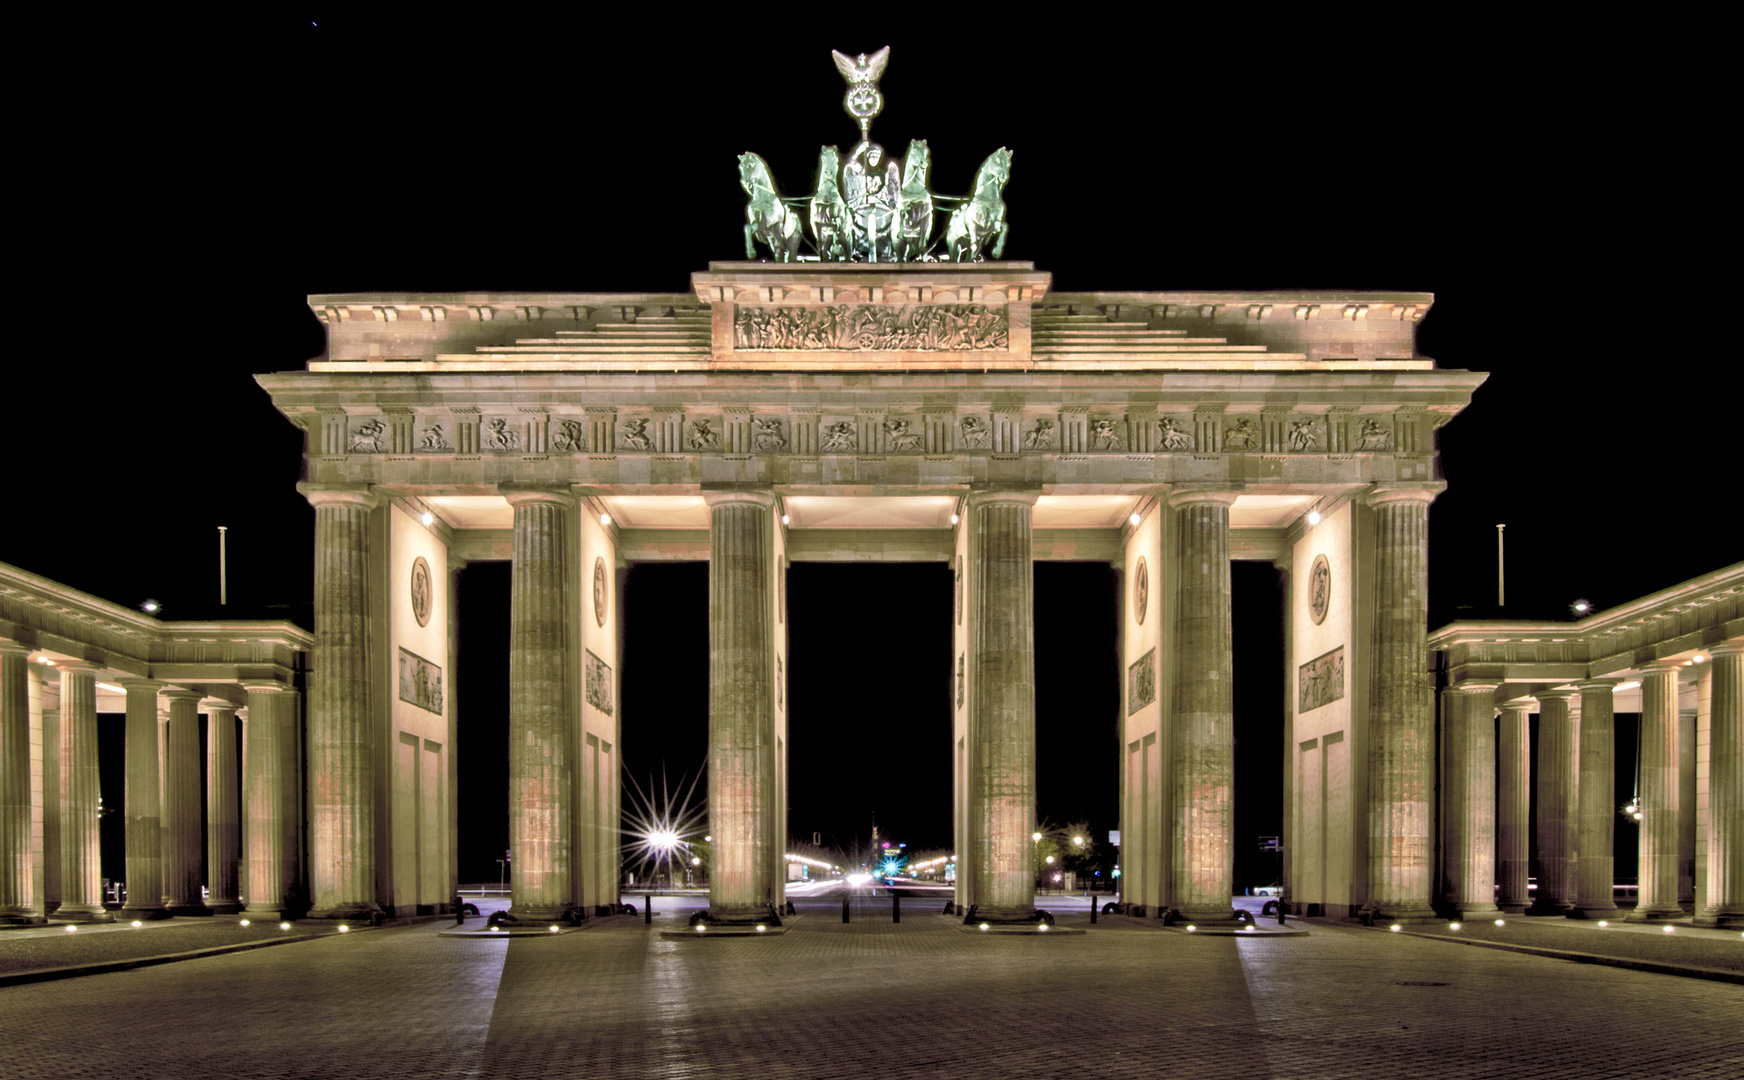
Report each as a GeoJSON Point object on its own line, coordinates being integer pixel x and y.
{"type": "Point", "coordinates": [1669, 929]}
{"type": "Point", "coordinates": [243, 922]}
{"type": "Point", "coordinates": [700, 928]}
{"type": "Point", "coordinates": [1191, 928]}
{"type": "Point", "coordinates": [343, 929]}
{"type": "Point", "coordinates": [1604, 923]}
{"type": "Point", "coordinates": [1395, 928]}
{"type": "Point", "coordinates": [553, 928]}
{"type": "Point", "coordinates": [1042, 928]}
{"type": "Point", "coordinates": [137, 924]}
{"type": "Point", "coordinates": [1501, 922]}
{"type": "Point", "coordinates": [1453, 926]}
{"type": "Point", "coordinates": [761, 928]}
{"type": "Point", "coordinates": [284, 926]}
{"type": "Point", "coordinates": [1249, 926]}
{"type": "Point", "coordinates": [984, 926]}
{"type": "Point", "coordinates": [71, 929]}
{"type": "Point", "coordinates": [493, 929]}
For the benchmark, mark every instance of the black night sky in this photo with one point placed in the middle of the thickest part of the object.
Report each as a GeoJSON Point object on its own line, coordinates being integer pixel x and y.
{"type": "Point", "coordinates": [504, 152]}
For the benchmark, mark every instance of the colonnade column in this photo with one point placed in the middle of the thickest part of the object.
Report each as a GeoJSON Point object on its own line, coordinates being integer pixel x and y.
{"type": "Point", "coordinates": [265, 860]}
{"type": "Point", "coordinates": [81, 852]}
{"type": "Point", "coordinates": [223, 823]}
{"type": "Point", "coordinates": [181, 805]}
{"type": "Point", "coordinates": [1659, 795]}
{"type": "Point", "coordinates": [341, 742]}
{"type": "Point", "coordinates": [541, 781]}
{"type": "Point", "coordinates": [1469, 771]}
{"type": "Point", "coordinates": [1202, 737]}
{"type": "Point", "coordinates": [1558, 781]}
{"type": "Point", "coordinates": [744, 776]}
{"type": "Point", "coordinates": [142, 801]}
{"type": "Point", "coordinates": [1596, 822]}
{"type": "Point", "coordinates": [1725, 869]}
{"type": "Point", "coordinates": [1514, 805]}
{"type": "Point", "coordinates": [16, 884]}
{"type": "Point", "coordinates": [1401, 708]}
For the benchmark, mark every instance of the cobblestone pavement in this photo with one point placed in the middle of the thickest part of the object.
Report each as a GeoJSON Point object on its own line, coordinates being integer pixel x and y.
{"type": "Point", "coordinates": [872, 999]}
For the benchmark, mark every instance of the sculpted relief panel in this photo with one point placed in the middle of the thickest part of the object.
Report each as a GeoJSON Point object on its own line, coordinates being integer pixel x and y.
{"type": "Point", "coordinates": [1320, 681]}
{"type": "Point", "coordinates": [861, 327]}
{"type": "Point", "coordinates": [420, 682]}
{"type": "Point", "coordinates": [599, 683]}
{"type": "Point", "coordinates": [1141, 682]}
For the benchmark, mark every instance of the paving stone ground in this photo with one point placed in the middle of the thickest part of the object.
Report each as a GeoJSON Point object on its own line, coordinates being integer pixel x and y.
{"type": "Point", "coordinates": [873, 999]}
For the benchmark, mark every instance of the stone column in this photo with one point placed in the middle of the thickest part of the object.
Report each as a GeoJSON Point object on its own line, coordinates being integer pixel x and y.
{"type": "Point", "coordinates": [266, 883]}
{"type": "Point", "coordinates": [1514, 804]}
{"type": "Point", "coordinates": [1202, 732]}
{"type": "Point", "coordinates": [181, 807]}
{"type": "Point", "coordinates": [1686, 809]}
{"type": "Point", "coordinates": [1725, 862]}
{"type": "Point", "coordinates": [1659, 795]}
{"type": "Point", "coordinates": [1401, 819]}
{"type": "Point", "coordinates": [1469, 786]}
{"type": "Point", "coordinates": [81, 851]}
{"type": "Point", "coordinates": [142, 803]}
{"type": "Point", "coordinates": [541, 780]}
{"type": "Point", "coordinates": [743, 780]}
{"type": "Point", "coordinates": [1557, 780]}
{"type": "Point", "coordinates": [341, 731]}
{"type": "Point", "coordinates": [223, 821]}
{"type": "Point", "coordinates": [17, 886]}
{"type": "Point", "coordinates": [1596, 822]}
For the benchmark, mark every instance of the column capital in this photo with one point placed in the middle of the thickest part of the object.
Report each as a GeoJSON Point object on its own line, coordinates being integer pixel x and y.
{"type": "Point", "coordinates": [75, 667]}
{"type": "Point", "coordinates": [1387, 494]}
{"type": "Point", "coordinates": [14, 648]}
{"type": "Point", "coordinates": [1205, 494]}
{"type": "Point", "coordinates": [1724, 648]}
{"type": "Point", "coordinates": [211, 705]}
{"type": "Point", "coordinates": [178, 693]}
{"type": "Point", "coordinates": [1662, 667]}
{"type": "Point", "coordinates": [265, 688]}
{"type": "Point", "coordinates": [763, 497]}
{"type": "Point", "coordinates": [1560, 692]}
{"type": "Point", "coordinates": [1593, 686]}
{"type": "Point", "coordinates": [518, 495]}
{"type": "Point", "coordinates": [992, 496]}
{"type": "Point", "coordinates": [358, 495]}
{"type": "Point", "coordinates": [1524, 704]}
{"type": "Point", "coordinates": [132, 685]}
{"type": "Point", "coordinates": [1474, 688]}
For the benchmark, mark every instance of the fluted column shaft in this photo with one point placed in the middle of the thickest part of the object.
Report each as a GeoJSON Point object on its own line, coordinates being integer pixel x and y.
{"type": "Point", "coordinates": [1659, 795]}
{"type": "Point", "coordinates": [1557, 793]}
{"type": "Point", "coordinates": [266, 882]}
{"type": "Point", "coordinates": [1469, 772]}
{"type": "Point", "coordinates": [1401, 709]}
{"type": "Point", "coordinates": [1001, 632]}
{"type": "Point", "coordinates": [17, 887]}
{"type": "Point", "coordinates": [1595, 871]}
{"type": "Point", "coordinates": [1514, 804]}
{"type": "Point", "coordinates": [223, 820]}
{"type": "Point", "coordinates": [1725, 861]}
{"type": "Point", "coordinates": [1202, 735]}
{"type": "Point", "coordinates": [181, 807]}
{"type": "Point", "coordinates": [142, 803]}
{"type": "Point", "coordinates": [341, 745]}
{"type": "Point", "coordinates": [541, 787]}
{"type": "Point", "coordinates": [81, 851]}
{"type": "Point", "coordinates": [743, 781]}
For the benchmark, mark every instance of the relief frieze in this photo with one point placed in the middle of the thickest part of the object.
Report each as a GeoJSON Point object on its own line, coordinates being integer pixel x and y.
{"type": "Point", "coordinates": [497, 436]}
{"type": "Point", "coordinates": [1320, 681]}
{"type": "Point", "coordinates": [873, 327]}
{"type": "Point", "coordinates": [599, 683]}
{"type": "Point", "coordinates": [1141, 682]}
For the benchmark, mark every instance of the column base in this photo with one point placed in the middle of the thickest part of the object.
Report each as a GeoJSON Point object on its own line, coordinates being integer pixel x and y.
{"type": "Point", "coordinates": [143, 914]}
{"type": "Point", "coordinates": [1003, 915]}
{"type": "Point", "coordinates": [1405, 914]}
{"type": "Point", "coordinates": [19, 918]}
{"type": "Point", "coordinates": [82, 913]}
{"type": "Point", "coordinates": [1720, 920]}
{"type": "Point", "coordinates": [1595, 912]}
{"type": "Point", "coordinates": [1511, 907]}
{"type": "Point", "coordinates": [357, 911]}
{"type": "Point", "coordinates": [1473, 912]}
{"type": "Point", "coordinates": [224, 907]}
{"type": "Point", "coordinates": [1557, 908]}
{"type": "Point", "coordinates": [260, 911]}
{"type": "Point", "coordinates": [1658, 914]}
{"type": "Point", "coordinates": [199, 910]}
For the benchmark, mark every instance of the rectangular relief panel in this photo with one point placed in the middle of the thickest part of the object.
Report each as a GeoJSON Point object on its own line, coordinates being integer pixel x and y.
{"type": "Point", "coordinates": [1141, 682]}
{"type": "Point", "coordinates": [599, 683]}
{"type": "Point", "coordinates": [1320, 681]}
{"type": "Point", "coordinates": [420, 681]}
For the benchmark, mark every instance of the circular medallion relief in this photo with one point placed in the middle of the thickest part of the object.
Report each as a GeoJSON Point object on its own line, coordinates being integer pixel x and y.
{"type": "Point", "coordinates": [421, 591]}
{"type": "Point", "coordinates": [1319, 589]}
{"type": "Point", "coordinates": [1141, 591]}
{"type": "Point", "coordinates": [599, 591]}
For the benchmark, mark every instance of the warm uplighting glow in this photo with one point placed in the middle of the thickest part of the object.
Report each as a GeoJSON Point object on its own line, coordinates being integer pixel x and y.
{"type": "Point", "coordinates": [1669, 929]}
{"type": "Point", "coordinates": [1042, 928]}
{"type": "Point", "coordinates": [111, 687]}
{"type": "Point", "coordinates": [1249, 926]}
{"type": "Point", "coordinates": [137, 924]}
{"type": "Point", "coordinates": [605, 519]}
{"type": "Point", "coordinates": [954, 519]}
{"type": "Point", "coordinates": [71, 928]}
{"type": "Point", "coordinates": [984, 926]}
{"type": "Point", "coordinates": [427, 518]}
{"type": "Point", "coordinates": [45, 660]}
{"type": "Point", "coordinates": [553, 928]}
{"type": "Point", "coordinates": [1135, 519]}
{"type": "Point", "coordinates": [1191, 928]}
{"type": "Point", "coordinates": [761, 928]}
{"type": "Point", "coordinates": [1603, 922]}
{"type": "Point", "coordinates": [784, 519]}
{"type": "Point", "coordinates": [494, 929]}
{"type": "Point", "coordinates": [343, 929]}
{"type": "Point", "coordinates": [1636, 815]}
{"type": "Point", "coordinates": [1313, 517]}
{"type": "Point", "coordinates": [284, 926]}
{"type": "Point", "coordinates": [1620, 687]}
{"type": "Point", "coordinates": [1395, 928]}
{"type": "Point", "coordinates": [244, 922]}
{"type": "Point", "coordinates": [1501, 922]}
{"type": "Point", "coordinates": [700, 928]}
{"type": "Point", "coordinates": [1697, 658]}
{"type": "Point", "coordinates": [1453, 926]}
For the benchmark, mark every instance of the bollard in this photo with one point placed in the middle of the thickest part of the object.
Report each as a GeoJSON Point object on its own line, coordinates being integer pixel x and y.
{"type": "Point", "coordinates": [1092, 909]}
{"type": "Point", "coordinates": [1280, 913]}
{"type": "Point", "coordinates": [895, 906]}
{"type": "Point", "coordinates": [647, 909]}
{"type": "Point", "coordinates": [459, 910]}
{"type": "Point", "coordinates": [844, 905]}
